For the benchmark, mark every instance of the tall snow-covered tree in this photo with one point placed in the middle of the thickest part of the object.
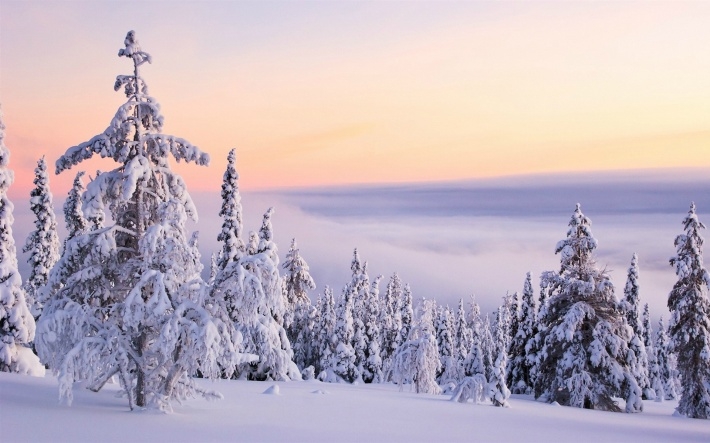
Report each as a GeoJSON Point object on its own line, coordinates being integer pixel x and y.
{"type": "Point", "coordinates": [665, 388]}
{"type": "Point", "coordinates": [390, 322]}
{"type": "Point", "coordinates": [343, 361]}
{"type": "Point", "coordinates": [74, 218]}
{"type": "Point", "coordinates": [297, 282]}
{"type": "Point", "coordinates": [372, 365]}
{"type": "Point", "coordinates": [519, 366]}
{"type": "Point", "coordinates": [498, 390]}
{"type": "Point", "coordinates": [417, 359]}
{"type": "Point", "coordinates": [584, 358]}
{"type": "Point", "coordinates": [690, 325]}
{"type": "Point", "coordinates": [637, 345]}
{"type": "Point", "coordinates": [646, 328]}
{"type": "Point", "coordinates": [127, 299]}
{"type": "Point", "coordinates": [443, 325]}
{"type": "Point", "coordinates": [326, 336]}
{"type": "Point", "coordinates": [463, 335]}
{"type": "Point", "coordinates": [406, 314]}
{"type": "Point", "coordinates": [231, 212]}
{"type": "Point", "coordinates": [43, 243]}
{"type": "Point", "coordinates": [252, 291]}
{"type": "Point", "coordinates": [17, 326]}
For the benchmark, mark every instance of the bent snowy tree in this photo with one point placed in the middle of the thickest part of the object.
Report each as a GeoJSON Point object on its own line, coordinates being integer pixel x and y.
{"type": "Point", "coordinates": [126, 299]}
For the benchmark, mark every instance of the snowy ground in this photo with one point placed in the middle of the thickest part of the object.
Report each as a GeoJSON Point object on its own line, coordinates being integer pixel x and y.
{"type": "Point", "coordinates": [314, 411]}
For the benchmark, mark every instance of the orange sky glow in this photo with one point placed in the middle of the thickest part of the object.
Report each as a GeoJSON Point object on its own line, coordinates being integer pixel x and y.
{"type": "Point", "coordinates": [318, 94]}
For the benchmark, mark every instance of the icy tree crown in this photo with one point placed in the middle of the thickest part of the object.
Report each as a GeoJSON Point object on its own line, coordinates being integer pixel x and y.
{"type": "Point", "coordinates": [577, 248]}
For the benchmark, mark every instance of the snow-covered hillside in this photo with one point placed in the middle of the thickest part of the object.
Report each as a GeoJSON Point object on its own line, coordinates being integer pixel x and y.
{"type": "Point", "coordinates": [320, 412]}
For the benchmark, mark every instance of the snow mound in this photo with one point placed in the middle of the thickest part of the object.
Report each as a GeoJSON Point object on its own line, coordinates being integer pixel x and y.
{"type": "Point", "coordinates": [28, 363]}
{"type": "Point", "coordinates": [320, 391]}
{"type": "Point", "coordinates": [272, 390]}
{"type": "Point", "coordinates": [554, 403]}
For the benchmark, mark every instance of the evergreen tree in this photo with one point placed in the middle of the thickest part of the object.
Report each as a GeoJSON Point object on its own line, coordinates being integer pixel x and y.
{"type": "Point", "coordinates": [646, 328]}
{"type": "Point", "coordinates": [584, 358]}
{"type": "Point", "coordinates": [391, 323]}
{"type": "Point", "coordinates": [498, 391]}
{"type": "Point", "coordinates": [297, 283]}
{"type": "Point", "coordinates": [343, 361]}
{"type": "Point", "coordinates": [326, 336]}
{"type": "Point", "coordinates": [252, 291]}
{"type": "Point", "coordinates": [520, 367]}
{"type": "Point", "coordinates": [42, 243]}
{"type": "Point", "coordinates": [127, 299]}
{"type": "Point", "coordinates": [463, 336]}
{"type": "Point", "coordinates": [73, 214]}
{"type": "Point", "coordinates": [690, 325]}
{"type": "Point", "coordinates": [637, 345]}
{"type": "Point", "coordinates": [488, 347]}
{"type": "Point", "coordinates": [406, 314]}
{"type": "Point", "coordinates": [417, 359]}
{"type": "Point", "coordinates": [449, 371]}
{"type": "Point", "coordinates": [372, 365]}
{"type": "Point", "coordinates": [665, 388]}
{"type": "Point", "coordinates": [17, 326]}
{"type": "Point", "coordinates": [231, 212]}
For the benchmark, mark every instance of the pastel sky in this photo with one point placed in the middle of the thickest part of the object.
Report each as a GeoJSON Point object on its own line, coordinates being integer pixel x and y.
{"type": "Point", "coordinates": [322, 93]}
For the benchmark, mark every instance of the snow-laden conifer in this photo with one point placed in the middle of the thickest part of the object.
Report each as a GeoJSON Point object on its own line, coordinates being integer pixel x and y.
{"type": "Point", "coordinates": [690, 322]}
{"type": "Point", "coordinates": [390, 322]}
{"type": "Point", "coordinates": [498, 390]}
{"type": "Point", "coordinates": [17, 326]}
{"type": "Point", "coordinates": [406, 314]}
{"type": "Point", "coordinates": [449, 374]}
{"type": "Point", "coordinates": [343, 360]}
{"type": "Point", "coordinates": [252, 291]}
{"type": "Point", "coordinates": [231, 212]}
{"type": "Point", "coordinates": [665, 386]}
{"type": "Point", "coordinates": [74, 218]}
{"type": "Point", "coordinates": [463, 335]}
{"type": "Point", "coordinates": [416, 361]}
{"type": "Point", "coordinates": [326, 336]}
{"type": "Point", "coordinates": [488, 346]}
{"type": "Point", "coordinates": [43, 243]}
{"type": "Point", "coordinates": [519, 366]}
{"type": "Point", "coordinates": [126, 300]}
{"type": "Point", "coordinates": [297, 283]}
{"type": "Point", "coordinates": [372, 364]}
{"type": "Point", "coordinates": [637, 345]}
{"type": "Point", "coordinates": [584, 361]}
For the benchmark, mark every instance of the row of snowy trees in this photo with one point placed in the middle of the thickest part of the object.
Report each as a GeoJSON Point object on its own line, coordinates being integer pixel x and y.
{"type": "Point", "coordinates": [123, 299]}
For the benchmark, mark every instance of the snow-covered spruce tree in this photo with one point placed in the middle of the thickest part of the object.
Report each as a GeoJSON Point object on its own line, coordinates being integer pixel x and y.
{"type": "Point", "coordinates": [43, 243]}
{"type": "Point", "coordinates": [17, 326]}
{"type": "Point", "coordinates": [690, 322]}
{"type": "Point", "coordinates": [252, 291]}
{"type": "Point", "coordinates": [463, 336]}
{"type": "Point", "coordinates": [488, 346]}
{"type": "Point", "coordinates": [230, 236]}
{"type": "Point", "coordinates": [630, 304]}
{"type": "Point", "coordinates": [390, 323]}
{"type": "Point", "coordinates": [449, 373]}
{"type": "Point", "coordinates": [584, 357]}
{"type": "Point", "coordinates": [74, 218]}
{"type": "Point", "coordinates": [406, 314]}
{"type": "Point", "coordinates": [519, 366]}
{"type": "Point", "coordinates": [417, 359]}
{"type": "Point", "coordinates": [127, 299]}
{"type": "Point", "coordinates": [646, 328]}
{"type": "Point", "coordinates": [297, 283]}
{"type": "Point", "coordinates": [498, 390]}
{"type": "Point", "coordinates": [343, 360]}
{"type": "Point", "coordinates": [372, 365]}
{"type": "Point", "coordinates": [360, 285]}
{"type": "Point", "coordinates": [326, 337]}
{"type": "Point", "coordinates": [666, 388]}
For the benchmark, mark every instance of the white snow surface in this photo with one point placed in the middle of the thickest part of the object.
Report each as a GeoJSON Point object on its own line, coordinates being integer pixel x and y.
{"type": "Point", "coordinates": [351, 413]}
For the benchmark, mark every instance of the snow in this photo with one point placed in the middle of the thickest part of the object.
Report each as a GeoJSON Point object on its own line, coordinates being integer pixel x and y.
{"type": "Point", "coordinates": [377, 412]}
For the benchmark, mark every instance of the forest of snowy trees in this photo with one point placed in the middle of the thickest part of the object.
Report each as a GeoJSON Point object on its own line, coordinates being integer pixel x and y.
{"type": "Point", "coordinates": [122, 299]}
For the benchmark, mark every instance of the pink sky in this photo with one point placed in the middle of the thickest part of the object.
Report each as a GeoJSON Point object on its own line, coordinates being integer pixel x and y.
{"type": "Point", "coordinates": [323, 93]}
